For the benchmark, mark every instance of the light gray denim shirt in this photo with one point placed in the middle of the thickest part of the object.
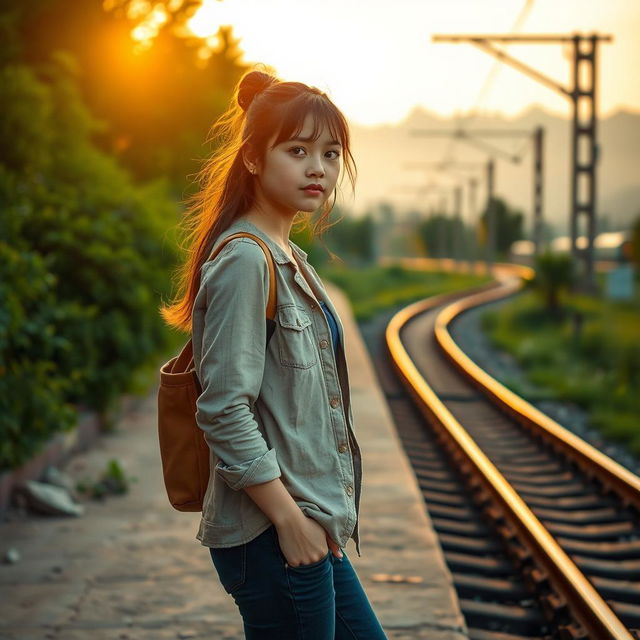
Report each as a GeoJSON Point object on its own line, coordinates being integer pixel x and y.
{"type": "Point", "coordinates": [283, 411]}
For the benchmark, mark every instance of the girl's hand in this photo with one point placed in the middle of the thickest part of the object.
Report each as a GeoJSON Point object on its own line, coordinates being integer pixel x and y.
{"type": "Point", "coordinates": [334, 547]}
{"type": "Point", "coordinates": [304, 541]}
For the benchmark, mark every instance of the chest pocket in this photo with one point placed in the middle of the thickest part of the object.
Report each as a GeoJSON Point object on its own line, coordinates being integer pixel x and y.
{"type": "Point", "coordinates": [295, 339]}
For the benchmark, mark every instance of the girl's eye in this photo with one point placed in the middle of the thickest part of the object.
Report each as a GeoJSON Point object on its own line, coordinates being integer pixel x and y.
{"type": "Point", "coordinates": [296, 149]}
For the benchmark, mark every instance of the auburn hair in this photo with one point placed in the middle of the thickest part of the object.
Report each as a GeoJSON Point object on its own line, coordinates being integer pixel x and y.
{"type": "Point", "coordinates": [262, 106]}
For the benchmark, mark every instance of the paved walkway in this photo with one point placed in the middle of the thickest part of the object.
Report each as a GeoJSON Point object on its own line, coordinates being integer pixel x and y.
{"type": "Point", "coordinates": [131, 568]}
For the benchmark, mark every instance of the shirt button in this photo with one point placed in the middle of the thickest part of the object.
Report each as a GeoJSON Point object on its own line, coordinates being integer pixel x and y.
{"type": "Point", "coordinates": [334, 402]}
{"type": "Point", "coordinates": [342, 448]}
{"type": "Point", "coordinates": [349, 489]}
{"type": "Point", "coordinates": [323, 344]}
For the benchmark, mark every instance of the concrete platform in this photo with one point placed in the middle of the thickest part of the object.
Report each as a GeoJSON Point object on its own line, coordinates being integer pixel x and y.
{"type": "Point", "coordinates": [131, 568]}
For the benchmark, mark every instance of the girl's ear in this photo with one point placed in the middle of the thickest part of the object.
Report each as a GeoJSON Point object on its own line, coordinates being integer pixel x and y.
{"type": "Point", "coordinates": [249, 162]}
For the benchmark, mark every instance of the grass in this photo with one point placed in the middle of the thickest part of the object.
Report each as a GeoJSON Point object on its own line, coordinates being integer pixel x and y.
{"type": "Point", "coordinates": [374, 289]}
{"type": "Point", "coordinates": [594, 363]}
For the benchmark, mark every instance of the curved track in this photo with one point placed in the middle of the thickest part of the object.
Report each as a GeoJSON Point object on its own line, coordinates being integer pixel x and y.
{"type": "Point", "coordinates": [541, 531]}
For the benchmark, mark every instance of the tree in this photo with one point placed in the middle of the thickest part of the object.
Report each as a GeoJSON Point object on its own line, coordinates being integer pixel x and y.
{"type": "Point", "coordinates": [442, 235]}
{"type": "Point", "coordinates": [157, 98]}
{"type": "Point", "coordinates": [508, 225]}
{"type": "Point", "coordinates": [553, 274]}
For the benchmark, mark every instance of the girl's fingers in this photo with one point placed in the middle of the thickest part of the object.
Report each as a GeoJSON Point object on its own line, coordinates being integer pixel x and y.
{"type": "Point", "coordinates": [334, 548]}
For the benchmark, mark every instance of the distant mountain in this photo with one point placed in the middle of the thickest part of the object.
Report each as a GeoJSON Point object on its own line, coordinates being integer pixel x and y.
{"type": "Point", "coordinates": [382, 151]}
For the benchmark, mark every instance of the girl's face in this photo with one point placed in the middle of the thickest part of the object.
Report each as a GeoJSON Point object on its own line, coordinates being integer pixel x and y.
{"type": "Point", "coordinates": [288, 170]}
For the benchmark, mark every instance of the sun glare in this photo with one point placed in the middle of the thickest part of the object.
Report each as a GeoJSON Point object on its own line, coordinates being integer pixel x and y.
{"type": "Point", "coordinates": [144, 33]}
{"type": "Point", "coordinates": [210, 17]}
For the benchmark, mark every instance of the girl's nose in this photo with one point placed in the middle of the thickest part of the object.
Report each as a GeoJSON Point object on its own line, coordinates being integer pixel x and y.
{"type": "Point", "coordinates": [315, 169]}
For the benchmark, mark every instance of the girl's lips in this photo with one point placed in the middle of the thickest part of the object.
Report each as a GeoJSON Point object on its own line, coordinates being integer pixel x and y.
{"type": "Point", "coordinates": [313, 192]}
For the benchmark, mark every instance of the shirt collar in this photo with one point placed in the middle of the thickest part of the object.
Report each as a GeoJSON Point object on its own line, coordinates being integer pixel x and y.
{"type": "Point", "coordinates": [279, 255]}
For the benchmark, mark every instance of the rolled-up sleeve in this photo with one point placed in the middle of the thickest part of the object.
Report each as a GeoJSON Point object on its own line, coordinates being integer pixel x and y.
{"type": "Point", "coordinates": [232, 364]}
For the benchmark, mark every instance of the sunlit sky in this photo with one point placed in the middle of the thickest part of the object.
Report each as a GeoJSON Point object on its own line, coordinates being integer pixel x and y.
{"type": "Point", "coordinates": [377, 62]}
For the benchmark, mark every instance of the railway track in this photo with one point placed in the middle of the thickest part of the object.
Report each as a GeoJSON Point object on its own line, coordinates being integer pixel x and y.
{"type": "Point", "coordinates": [540, 530]}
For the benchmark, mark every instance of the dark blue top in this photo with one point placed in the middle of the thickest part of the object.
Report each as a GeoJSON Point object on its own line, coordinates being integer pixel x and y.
{"type": "Point", "coordinates": [332, 325]}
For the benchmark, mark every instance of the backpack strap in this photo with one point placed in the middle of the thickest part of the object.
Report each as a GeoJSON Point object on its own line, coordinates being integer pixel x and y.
{"type": "Point", "coordinates": [271, 301]}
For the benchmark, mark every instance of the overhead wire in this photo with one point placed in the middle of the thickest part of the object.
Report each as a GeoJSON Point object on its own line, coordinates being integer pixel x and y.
{"type": "Point", "coordinates": [489, 80]}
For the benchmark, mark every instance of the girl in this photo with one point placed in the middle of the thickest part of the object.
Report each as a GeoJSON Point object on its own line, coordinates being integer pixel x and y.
{"type": "Point", "coordinates": [284, 489]}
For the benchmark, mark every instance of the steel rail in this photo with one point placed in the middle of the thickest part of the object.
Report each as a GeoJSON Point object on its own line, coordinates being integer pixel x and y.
{"type": "Point", "coordinates": [584, 602]}
{"type": "Point", "coordinates": [593, 463]}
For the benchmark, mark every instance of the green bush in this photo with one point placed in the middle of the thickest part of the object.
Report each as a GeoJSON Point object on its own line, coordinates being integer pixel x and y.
{"type": "Point", "coordinates": [32, 384]}
{"type": "Point", "coordinates": [83, 262]}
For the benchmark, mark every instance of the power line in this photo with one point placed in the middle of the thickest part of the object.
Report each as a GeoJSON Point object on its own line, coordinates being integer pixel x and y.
{"type": "Point", "coordinates": [489, 80]}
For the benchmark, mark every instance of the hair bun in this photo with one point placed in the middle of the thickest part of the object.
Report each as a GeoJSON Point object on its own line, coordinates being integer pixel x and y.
{"type": "Point", "coordinates": [251, 85]}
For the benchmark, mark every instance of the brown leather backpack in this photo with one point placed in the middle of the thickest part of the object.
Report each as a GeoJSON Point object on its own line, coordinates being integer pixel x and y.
{"type": "Point", "coordinates": [183, 449]}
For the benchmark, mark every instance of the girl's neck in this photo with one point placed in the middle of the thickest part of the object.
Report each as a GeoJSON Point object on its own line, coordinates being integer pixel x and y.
{"type": "Point", "coordinates": [276, 227]}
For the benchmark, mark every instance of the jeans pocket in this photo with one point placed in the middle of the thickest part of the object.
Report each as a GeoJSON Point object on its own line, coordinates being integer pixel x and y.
{"type": "Point", "coordinates": [231, 565]}
{"type": "Point", "coordinates": [276, 542]}
{"type": "Point", "coordinates": [313, 565]}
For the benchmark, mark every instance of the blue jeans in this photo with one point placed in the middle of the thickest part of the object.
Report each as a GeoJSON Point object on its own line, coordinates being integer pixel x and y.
{"type": "Point", "coordinates": [319, 601]}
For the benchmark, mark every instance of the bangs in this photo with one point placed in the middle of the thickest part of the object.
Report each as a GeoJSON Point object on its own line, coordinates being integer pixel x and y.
{"type": "Point", "coordinates": [324, 114]}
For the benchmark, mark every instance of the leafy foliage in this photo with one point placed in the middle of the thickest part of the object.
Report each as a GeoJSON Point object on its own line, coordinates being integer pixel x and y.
{"type": "Point", "coordinates": [350, 238]}
{"type": "Point", "coordinates": [443, 235]}
{"type": "Point", "coordinates": [156, 98]}
{"type": "Point", "coordinates": [508, 225]}
{"type": "Point", "coordinates": [81, 261]}
{"type": "Point", "coordinates": [112, 481]}
{"type": "Point", "coordinates": [553, 275]}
